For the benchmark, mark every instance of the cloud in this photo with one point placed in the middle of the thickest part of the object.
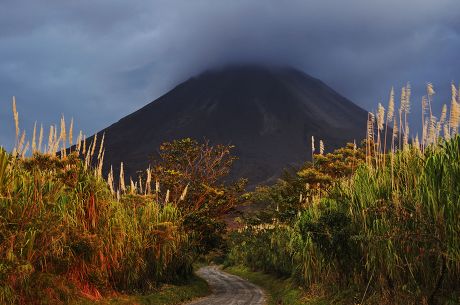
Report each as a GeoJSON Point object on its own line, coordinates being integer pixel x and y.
{"type": "Point", "coordinates": [97, 61]}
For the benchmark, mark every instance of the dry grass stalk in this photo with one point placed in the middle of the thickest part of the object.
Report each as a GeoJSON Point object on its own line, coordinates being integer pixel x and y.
{"type": "Point", "coordinates": [167, 197]}
{"type": "Point", "coordinates": [93, 147]}
{"type": "Point", "coordinates": [184, 193]}
{"type": "Point", "coordinates": [132, 187]}
{"type": "Point", "coordinates": [34, 145]}
{"type": "Point", "coordinates": [141, 190]}
{"type": "Point", "coordinates": [16, 119]}
{"type": "Point", "coordinates": [79, 142]}
{"type": "Point", "coordinates": [63, 137]}
{"type": "Point", "coordinates": [148, 181]}
{"type": "Point", "coordinates": [84, 145]}
{"type": "Point", "coordinates": [122, 178]}
{"type": "Point", "coordinates": [40, 138]}
{"type": "Point", "coordinates": [110, 181]}
{"type": "Point", "coordinates": [100, 164]}
{"type": "Point", "coordinates": [101, 146]}
{"type": "Point", "coordinates": [71, 132]}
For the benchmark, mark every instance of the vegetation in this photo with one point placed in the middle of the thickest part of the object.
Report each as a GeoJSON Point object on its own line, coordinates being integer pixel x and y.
{"type": "Point", "coordinates": [66, 232]}
{"type": "Point", "coordinates": [282, 290]}
{"type": "Point", "coordinates": [166, 295]}
{"type": "Point", "coordinates": [375, 223]}
{"type": "Point", "coordinates": [386, 222]}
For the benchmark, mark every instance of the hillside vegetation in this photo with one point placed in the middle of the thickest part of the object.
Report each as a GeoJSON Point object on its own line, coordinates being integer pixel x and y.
{"type": "Point", "coordinates": [382, 219]}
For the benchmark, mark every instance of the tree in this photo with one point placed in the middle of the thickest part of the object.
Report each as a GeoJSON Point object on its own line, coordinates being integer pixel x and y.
{"type": "Point", "coordinates": [193, 175]}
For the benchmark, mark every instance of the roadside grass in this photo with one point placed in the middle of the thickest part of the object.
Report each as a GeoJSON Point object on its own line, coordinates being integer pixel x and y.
{"type": "Point", "coordinates": [285, 291]}
{"type": "Point", "coordinates": [195, 288]}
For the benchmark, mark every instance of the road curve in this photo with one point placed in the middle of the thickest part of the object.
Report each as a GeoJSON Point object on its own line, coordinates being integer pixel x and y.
{"type": "Point", "coordinates": [228, 289]}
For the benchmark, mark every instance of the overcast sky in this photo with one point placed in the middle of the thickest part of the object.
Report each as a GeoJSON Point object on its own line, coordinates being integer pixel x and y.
{"type": "Point", "coordinates": [97, 61]}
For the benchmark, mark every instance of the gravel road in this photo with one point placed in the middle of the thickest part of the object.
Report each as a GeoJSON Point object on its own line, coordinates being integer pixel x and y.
{"type": "Point", "coordinates": [228, 289]}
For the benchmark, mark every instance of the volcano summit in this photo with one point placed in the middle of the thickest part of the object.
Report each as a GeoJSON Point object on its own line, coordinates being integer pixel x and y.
{"type": "Point", "coordinates": [268, 113]}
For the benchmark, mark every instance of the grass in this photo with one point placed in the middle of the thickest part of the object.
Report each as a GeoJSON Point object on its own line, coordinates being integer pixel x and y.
{"type": "Point", "coordinates": [285, 291]}
{"type": "Point", "coordinates": [390, 226]}
{"type": "Point", "coordinates": [196, 287]}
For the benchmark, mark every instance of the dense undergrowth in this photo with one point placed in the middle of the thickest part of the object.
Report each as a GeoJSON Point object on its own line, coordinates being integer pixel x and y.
{"type": "Point", "coordinates": [67, 232]}
{"type": "Point", "coordinates": [62, 230]}
{"type": "Point", "coordinates": [385, 223]}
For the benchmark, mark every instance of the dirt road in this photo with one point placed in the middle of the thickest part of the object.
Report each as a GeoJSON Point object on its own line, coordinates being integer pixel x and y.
{"type": "Point", "coordinates": [228, 289]}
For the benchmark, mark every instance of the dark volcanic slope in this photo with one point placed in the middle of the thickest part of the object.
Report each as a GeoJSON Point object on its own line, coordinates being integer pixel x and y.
{"type": "Point", "coordinates": [269, 114]}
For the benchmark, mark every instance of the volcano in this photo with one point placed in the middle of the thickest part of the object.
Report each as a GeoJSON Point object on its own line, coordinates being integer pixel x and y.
{"type": "Point", "coordinates": [268, 113]}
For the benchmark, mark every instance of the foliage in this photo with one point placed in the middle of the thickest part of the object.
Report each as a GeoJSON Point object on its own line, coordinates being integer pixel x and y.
{"type": "Point", "coordinates": [60, 224]}
{"type": "Point", "coordinates": [392, 228]}
{"type": "Point", "coordinates": [193, 173]}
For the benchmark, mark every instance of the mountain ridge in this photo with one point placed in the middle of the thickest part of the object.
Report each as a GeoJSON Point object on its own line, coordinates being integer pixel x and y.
{"type": "Point", "coordinates": [268, 113]}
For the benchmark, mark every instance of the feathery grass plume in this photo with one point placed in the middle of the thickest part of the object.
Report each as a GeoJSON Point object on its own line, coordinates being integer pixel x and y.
{"type": "Point", "coordinates": [369, 136]}
{"type": "Point", "coordinates": [157, 186]}
{"type": "Point", "coordinates": [429, 89]}
{"type": "Point", "coordinates": [88, 157]}
{"type": "Point", "coordinates": [40, 138]}
{"type": "Point", "coordinates": [100, 164]}
{"type": "Point", "coordinates": [71, 132]}
{"type": "Point", "coordinates": [401, 111]}
{"type": "Point", "coordinates": [184, 193]}
{"type": "Point", "coordinates": [446, 132]}
{"type": "Point", "coordinates": [454, 111]}
{"type": "Point", "coordinates": [432, 130]}
{"type": "Point", "coordinates": [443, 117]}
{"type": "Point", "coordinates": [424, 108]}
{"type": "Point", "coordinates": [312, 144]}
{"type": "Point", "coordinates": [394, 136]}
{"type": "Point", "coordinates": [84, 145]}
{"type": "Point", "coordinates": [313, 149]}
{"type": "Point", "coordinates": [321, 147]}
{"type": "Point", "coordinates": [148, 181]}
{"type": "Point", "coordinates": [390, 116]}
{"type": "Point", "coordinates": [167, 197]}
{"type": "Point", "coordinates": [101, 146]}
{"type": "Point", "coordinates": [79, 141]}
{"type": "Point", "coordinates": [63, 137]}
{"type": "Point", "coordinates": [395, 129]}
{"type": "Point", "coordinates": [403, 100]}
{"type": "Point", "coordinates": [438, 129]}
{"type": "Point", "coordinates": [380, 121]}
{"type": "Point", "coordinates": [406, 137]}
{"type": "Point", "coordinates": [50, 139]}
{"type": "Point", "coordinates": [391, 105]}
{"type": "Point", "coordinates": [141, 189]}
{"type": "Point", "coordinates": [430, 92]}
{"type": "Point", "coordinates": [34, 145]}
{"type": "Point", "coordinates": [132, 187]}
{"type": "Point", "coordinates": [56, 141]}
{"type": "Point", "coordinates": [380, 116]}
{"type": "Point", "coordinates": [16, 119]}
{"type": "Point", "coordinates": [122, 178]}
{"type": "Point", "coordinates": [93, 147]}
{"type": "Point", "coordinates": [110, 180]}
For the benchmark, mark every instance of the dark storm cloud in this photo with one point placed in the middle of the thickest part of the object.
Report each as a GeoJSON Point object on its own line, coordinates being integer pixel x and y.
{"type": "Point", "coordinates": [100, 60]}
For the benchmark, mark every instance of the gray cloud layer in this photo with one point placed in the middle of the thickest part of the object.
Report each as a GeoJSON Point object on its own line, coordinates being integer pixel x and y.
{"type": "Point", "coordinates": [100, 60]}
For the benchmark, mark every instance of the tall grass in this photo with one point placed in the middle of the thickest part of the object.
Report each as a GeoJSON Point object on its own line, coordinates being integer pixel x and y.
{"type": "Point", "coordinates": [65, 231]}
{"type": "Point", "coordinates": [392, 227]}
